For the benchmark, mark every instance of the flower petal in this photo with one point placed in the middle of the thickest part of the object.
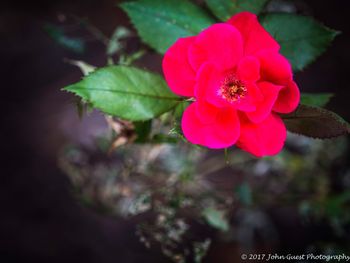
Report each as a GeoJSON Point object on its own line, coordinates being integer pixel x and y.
{"type": "Point", "coordinates": [249, 69]}
{"type": "Point", "coordinates": [264, 107]}
{"type": "Point", "coordinates": [274, 67]}
{"type": "Point", "coordinates": [178, 73]}
{"type": "Point", "coordinates": [222, 133]}
{"type": "Point", "coordinates": [208, 83]}
{"type": "Point", "coordinates": [255, 37]}
{"type": "Point", "coordinates": [248, 104]}
{"type": "Point", "coordinates": [220, 44]}
{"type": "Point", "coordinates": [288, 98]}
{"type": "Point", "coordinates": [209, 80]}
{"type": "Point", "coordinates": [206, 112]}
{"type": "Point", "coordinates": [265, 138]}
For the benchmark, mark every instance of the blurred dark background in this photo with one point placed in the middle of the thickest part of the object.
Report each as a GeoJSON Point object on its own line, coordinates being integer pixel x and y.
{"type": "Point", "coordinates": [40, 220]}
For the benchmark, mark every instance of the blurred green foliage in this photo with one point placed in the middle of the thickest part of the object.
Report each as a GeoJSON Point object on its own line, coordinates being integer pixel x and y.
{"type": "Point", "coordinates": [186, 187]}
{"type": "Point", "coordinates": [74, 44]}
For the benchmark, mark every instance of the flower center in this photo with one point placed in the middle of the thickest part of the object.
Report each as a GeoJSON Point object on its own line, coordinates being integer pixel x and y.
{"type": "Point", "coordinates": [232, 89]}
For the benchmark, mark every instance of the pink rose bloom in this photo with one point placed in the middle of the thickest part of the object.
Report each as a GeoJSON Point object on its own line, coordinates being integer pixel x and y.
{"type": "Point", "coordinates": [240, 83]}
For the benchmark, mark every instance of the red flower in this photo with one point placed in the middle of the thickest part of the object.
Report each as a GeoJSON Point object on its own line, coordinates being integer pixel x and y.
{"type": "Point", "coordinates": [240, 83]}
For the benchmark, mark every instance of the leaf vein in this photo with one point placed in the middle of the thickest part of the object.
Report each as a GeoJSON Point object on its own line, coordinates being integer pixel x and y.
{"type": "Point", "coordinates": [132, 93]}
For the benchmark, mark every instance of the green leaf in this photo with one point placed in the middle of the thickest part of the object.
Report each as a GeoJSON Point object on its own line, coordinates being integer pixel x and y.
{"type": "Point", "coordinates": [302, 39]}
{"type": "Point", "coordinates": [180, 108]}
{"type": "Point", "coordinates": [72, 43]}
{"type": "Point", "coordinates": [316, 122]}
{"type": "Point", "coordinates": [126, 92]}
{"type": "Point", "coordinates": [216, 218]}
{"type": "Point", "coordinates": [224, 9]}
{"type": "Point", "coordinates": [161, 22]}
{"type": "Point", "coordinates": [316, 99]}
